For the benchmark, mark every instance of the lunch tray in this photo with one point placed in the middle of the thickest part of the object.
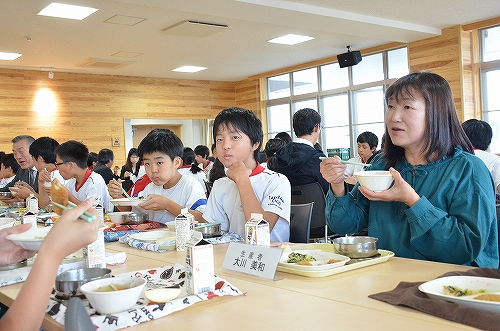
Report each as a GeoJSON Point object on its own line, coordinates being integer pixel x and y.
{"type": "Point", "coordinates": [384, 256]}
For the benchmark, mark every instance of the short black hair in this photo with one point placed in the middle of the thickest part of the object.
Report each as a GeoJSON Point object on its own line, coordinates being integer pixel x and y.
{"type": "Point", "coordinates": [44, 147]}
{"type": "Point", "coordinates": [202, 150]}
{"type": "Point", "coordinates": [105, 155]}
{"type": "Point", "coordinates": [243, 120]}
{"type": "Point", "coordinates": [368, 137]}
{"type": "Point", "coordinates": [163, 141]}
{"type": "Point", "coordinates": [479, 133]}
{"type": "Point", "coordinates": [9, 161]}
{"type": "Point", "coordinates": [73, 151]}
{"type": "Point", "coordinates": [91, 159]}
{"type": "Point", "coordinates": [304, 121]}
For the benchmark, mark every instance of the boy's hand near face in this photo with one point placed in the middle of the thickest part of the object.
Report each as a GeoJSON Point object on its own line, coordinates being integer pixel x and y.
{"type": "Point", "coordinates": [156, 202]}
{"type": "Point", "coordinates": [238, 172]}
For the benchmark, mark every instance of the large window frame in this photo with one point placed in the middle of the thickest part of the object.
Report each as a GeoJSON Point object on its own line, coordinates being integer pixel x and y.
{"type": "Point", "coordinates": [353, 127]}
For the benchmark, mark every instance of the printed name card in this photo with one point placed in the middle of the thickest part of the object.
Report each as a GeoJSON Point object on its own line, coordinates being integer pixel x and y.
{"type": "Point", "coordinates": [255, 260]}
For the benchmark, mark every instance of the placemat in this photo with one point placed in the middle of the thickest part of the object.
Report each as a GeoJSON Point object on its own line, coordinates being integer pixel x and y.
{"type": "Point", "coordinates": [166, 276]}
{"type": "Point", "coordinates": [408, 295]}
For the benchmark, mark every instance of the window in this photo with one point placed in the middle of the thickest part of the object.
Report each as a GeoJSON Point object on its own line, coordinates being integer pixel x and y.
{"type": "Point", "coordinates": [350, 100]}
{"type": "Point", "coordinates": [490, 82]}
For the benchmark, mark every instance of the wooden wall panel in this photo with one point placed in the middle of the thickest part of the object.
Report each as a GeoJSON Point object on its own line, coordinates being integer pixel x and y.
{"type": "Point", "coordinates": [92, 108]}
{"type": "Point", "coordinates": [443, 55]}
{"type": "Point", "coordinates": [247, 95]}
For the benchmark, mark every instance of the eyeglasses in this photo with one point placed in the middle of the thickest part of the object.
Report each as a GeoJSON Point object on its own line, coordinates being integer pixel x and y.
{"type": "Point", "coordinates": [63, 162]}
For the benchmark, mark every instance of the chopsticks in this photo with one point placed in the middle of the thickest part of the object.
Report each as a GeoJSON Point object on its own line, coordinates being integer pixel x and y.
{"type": "Point", "coordinates": [349, 162]}
{"type": "Point", "coordinates": [124, 192]}
{"type": "Point", "coordinates": [89, 217]}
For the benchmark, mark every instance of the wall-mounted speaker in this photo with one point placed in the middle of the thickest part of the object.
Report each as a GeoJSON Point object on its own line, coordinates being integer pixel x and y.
{"type": "Point", "coordinates": [348, 59]}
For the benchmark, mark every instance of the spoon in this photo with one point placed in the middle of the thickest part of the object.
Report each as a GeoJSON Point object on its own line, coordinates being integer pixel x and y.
{"type": "Point", "coordinates": [349, 162]}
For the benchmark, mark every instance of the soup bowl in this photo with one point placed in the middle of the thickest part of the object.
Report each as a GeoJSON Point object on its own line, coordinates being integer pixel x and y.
{"type": "Point", "coordinates": [376, 181]}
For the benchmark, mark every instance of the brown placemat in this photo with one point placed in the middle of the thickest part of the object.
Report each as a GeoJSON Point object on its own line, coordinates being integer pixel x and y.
{"type": "Point", "coordinates": [408, 295]}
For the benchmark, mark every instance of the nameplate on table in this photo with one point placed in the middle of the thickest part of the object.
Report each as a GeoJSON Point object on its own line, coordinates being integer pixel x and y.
{"type": "Point", "coordinates": [255, 260]}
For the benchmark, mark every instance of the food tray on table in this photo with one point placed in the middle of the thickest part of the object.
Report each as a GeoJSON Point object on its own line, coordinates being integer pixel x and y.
{"type": "Point", "coordinates": [351, 265]}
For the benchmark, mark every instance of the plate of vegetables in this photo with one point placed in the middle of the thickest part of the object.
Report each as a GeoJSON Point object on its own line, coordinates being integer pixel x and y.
{"type": "Point", "coordinates": [478, 292]}
{"type": "Point", "coordinates": [312, 259]}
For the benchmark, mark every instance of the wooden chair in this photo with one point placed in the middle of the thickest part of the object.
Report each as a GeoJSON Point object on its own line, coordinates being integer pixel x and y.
{"type": "Point", "coordinates": [314, 193]}
{"type": "Point", "coordinates": [300, 222]}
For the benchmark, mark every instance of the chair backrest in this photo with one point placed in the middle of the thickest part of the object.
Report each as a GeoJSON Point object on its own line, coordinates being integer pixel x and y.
{"type": "Point", "coordinates": [208, 185]}
{"type": "Point", "coordinates": [76, 317]}
{"type": "Point", "coordinates": [300, 222]}
{"type": "Point", "coordinates": [311, 193]}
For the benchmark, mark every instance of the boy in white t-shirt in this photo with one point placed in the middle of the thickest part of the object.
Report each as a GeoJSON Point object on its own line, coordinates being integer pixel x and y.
{"type": "Point", "coordinates": [42, 151]}
{"type": "Point", "coordinates": [169, 191]}
{"type": "Point", "coordinates": [81, 182]}
{"type": "Point", "coordinates": [248, 187]}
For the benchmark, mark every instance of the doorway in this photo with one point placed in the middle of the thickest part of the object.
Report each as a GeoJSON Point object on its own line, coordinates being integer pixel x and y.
{"type": "Point", "coordinates": [140, 131]}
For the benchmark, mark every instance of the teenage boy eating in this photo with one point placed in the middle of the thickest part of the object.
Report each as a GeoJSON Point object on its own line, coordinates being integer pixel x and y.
{"type": "Point", "coordinates": [248, 187]}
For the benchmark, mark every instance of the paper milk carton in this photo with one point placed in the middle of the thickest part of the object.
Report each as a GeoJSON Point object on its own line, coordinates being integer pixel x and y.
{"type": "Point", "coordinates": [199, 266]}
{"type": "Point", "coordinates": [257, 231]}
{"type": "Point", "coordinates": [94, 255]}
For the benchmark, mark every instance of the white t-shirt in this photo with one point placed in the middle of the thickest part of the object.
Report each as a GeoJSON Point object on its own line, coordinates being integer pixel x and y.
{"type": "Point", "coordinates": [5, 181]}
{"type": "Point", "coordinates": [199, 176]}
{"type": "Point", "coordinates": [351, 168]}
{"type": "Point", "coordinates": [492, 161]}
{"type": "Point", "coordinates": [272, 191]}
{"type": "Point", "coordinates": [94, 186]}
{"type": "Point", "coordinates": [188, 192]}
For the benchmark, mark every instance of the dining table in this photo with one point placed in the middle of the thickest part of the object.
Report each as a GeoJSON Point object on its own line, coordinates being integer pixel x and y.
{"type": "Point", "coordinates": [289, 301]}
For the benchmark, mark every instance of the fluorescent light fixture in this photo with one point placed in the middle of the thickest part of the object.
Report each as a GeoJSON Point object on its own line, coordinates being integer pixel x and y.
{"type": "Point", "coordinates": [9, 56]}
{"type": "Point", "coordinates": [290, 39]}
{"type": "Point", "coordinates": [67, 11]}
{"type": "Point", "coordinates": [189, 69]}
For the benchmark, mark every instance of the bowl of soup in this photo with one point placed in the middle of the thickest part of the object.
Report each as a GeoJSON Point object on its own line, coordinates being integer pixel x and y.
{"type": "Point", "coordinates": [376, 181]}
{"type": "Point", "coordinates": [113, 295]}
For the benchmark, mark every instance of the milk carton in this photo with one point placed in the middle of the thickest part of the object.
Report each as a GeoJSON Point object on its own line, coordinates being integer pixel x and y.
{"type": "Point", "coordinates": [183, 229]}
{"type": "Point", "coordinates": [94, 255]}
{"type": "Point", "coordinates": [199, 266]}
{"type": "Point", "coordinates": [257, 231]}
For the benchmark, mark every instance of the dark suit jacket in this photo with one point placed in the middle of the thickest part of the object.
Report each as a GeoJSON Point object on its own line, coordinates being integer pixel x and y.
{"type": "Point", "coordinates": [105, 172]}
{"type": "Point", "coordinates": [22, 175]}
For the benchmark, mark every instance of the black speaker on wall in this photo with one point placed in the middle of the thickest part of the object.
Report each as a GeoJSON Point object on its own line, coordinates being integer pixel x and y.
{"type": "Point", "coordinates": [350, 58]}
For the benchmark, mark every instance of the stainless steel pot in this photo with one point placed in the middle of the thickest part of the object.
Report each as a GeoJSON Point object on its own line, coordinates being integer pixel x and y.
{"type": "Point", "coordinates": [68, 282]}
{"type": "Point", "coordinates": [356, 246]}
{"type": "Point", "coordinates": [209, 230]}
{"type": "Point", "coordinates": [132, 219]}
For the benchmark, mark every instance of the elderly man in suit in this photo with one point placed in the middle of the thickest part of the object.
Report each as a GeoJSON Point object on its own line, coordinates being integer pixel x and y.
{"type": "Point", "coordinates": [26, 179]}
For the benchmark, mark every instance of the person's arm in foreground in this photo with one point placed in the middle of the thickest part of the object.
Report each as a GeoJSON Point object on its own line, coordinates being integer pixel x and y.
{"type": "Point", "coordinates": [67, 236]}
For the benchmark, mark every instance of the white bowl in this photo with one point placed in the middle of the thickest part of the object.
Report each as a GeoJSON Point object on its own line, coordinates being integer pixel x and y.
{"type": "Point", "coordinates": [117, 217]}
{"type": "Point", "coordinates": [116, 301]}
{"type": "Point", "coordinates": [31, 239]}
{"type": "Point", "coordinates": [6, 222]}
{"type": "Point", "coordinates": [374, 180]}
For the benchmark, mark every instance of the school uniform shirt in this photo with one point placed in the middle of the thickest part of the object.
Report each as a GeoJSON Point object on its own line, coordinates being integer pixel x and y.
{"type": "Point", "coordinates": [93, 186]}
{"type": "Point", "coordinates": [188, 192]}
{"type": "Point", "coordinates": [5, 181]}
{"type": "Point", "coordinates": [199, 176]}
{"type": "Point", "coordinates": [55, 174]}
{"type": "Point", "coordinates": [272, 191]}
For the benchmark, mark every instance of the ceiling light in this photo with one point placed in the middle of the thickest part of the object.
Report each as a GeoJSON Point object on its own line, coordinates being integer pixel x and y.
{"type": "Point", "coordinates": [290, 39]}
{"type": "Point", "coordinates": [9, 56]}
{"type": "Point", "coordinates": [67, 11]}
{"type": "Point", "coordinates": [189, 69]}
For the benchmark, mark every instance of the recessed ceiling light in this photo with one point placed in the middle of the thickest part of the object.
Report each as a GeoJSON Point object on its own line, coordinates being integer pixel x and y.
{"type": "Point", "coordinates": [67, 11]}
{"type": "Point", "coordinates": [189, 69]}
{"type": "Point", "coordinates": [290, 39]}
{"type": "Point", "coordinates": [9, 56]}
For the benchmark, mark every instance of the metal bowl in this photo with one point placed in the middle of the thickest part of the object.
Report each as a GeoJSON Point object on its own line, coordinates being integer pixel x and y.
{"type": "Point", "coordinates": [209, 230]}
{"type": "Point", "coordinates": [68, 282]}
{"type": "Point", "coordinates": [5, 195]}
{"type": "Point", "coordinates": [132, 219]}
{"type": "Point", "coordinates": [356, 246]}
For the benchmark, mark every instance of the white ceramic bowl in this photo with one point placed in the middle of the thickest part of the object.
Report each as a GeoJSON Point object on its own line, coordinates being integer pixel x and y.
{"type": "Point", "coordinates": [117, 217]}
{"type": "Point", "coordinates": [6, 222]}
{"type": "Point", "coordinates": [116, 301]}
{"type": "Point", "coordinates": [31, 239]}
{"type": "Point", "coordinates": [374, 180]}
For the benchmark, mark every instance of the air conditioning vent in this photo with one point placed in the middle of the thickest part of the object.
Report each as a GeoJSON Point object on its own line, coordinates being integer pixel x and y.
{"type": "Point", "coordinates": [103, 63]}
{"type": "Point", "coordinates": [194, 29]}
